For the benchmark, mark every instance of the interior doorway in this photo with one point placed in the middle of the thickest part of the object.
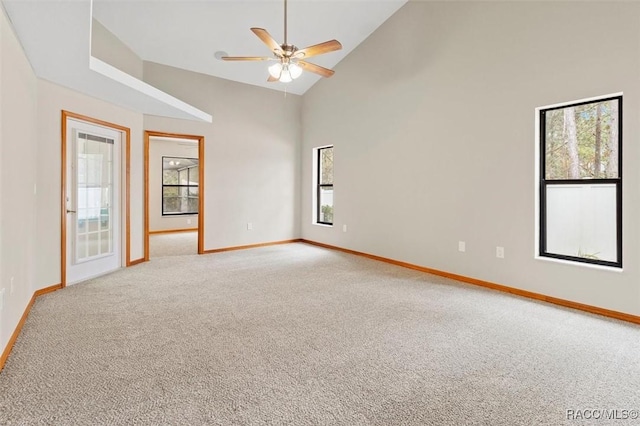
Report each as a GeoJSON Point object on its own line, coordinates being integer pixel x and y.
{"type": "Point", "coordinates": [174, 194]}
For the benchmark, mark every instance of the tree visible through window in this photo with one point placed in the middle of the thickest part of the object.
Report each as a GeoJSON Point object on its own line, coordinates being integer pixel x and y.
{"type": "Point", "coordinates": [581, 182]}
{"type": "Point", "coordinates": [180, 177]}
{"type": "Point", "coordinates": [325, 186]}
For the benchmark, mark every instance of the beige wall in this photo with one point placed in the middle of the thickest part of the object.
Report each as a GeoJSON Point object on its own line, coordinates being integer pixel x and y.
{"type": "Point", "coordinates": [52, 99]}
{"type": "Point", "coordinates": [432, 119]}
{"type": "Point", "coordinates": [110, 49]}
{"type": "Point", "coordinates": [167, 148]}
{"type": "Point", "coordinates": [251, 155]}
{"type": "Point", "coordinates": [17, 178]}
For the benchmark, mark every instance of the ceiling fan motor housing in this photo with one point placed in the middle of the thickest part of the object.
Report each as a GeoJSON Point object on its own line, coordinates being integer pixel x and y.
{"type": "Point", "coordinates": [288, 50]}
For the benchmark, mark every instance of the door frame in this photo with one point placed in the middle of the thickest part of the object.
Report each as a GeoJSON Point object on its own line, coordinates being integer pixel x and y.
{"type": "Point", "coordinates": [148, 134]}
{"type": "Point", "coordinates": [126, 132]}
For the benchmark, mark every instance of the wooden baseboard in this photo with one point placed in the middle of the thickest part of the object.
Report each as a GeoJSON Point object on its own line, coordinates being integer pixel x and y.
{"type": "Point", "coordinates": [136, 261]}
{"type": "Point", "coordinates": [172, 231]}
{"type": "Point", "coordinates": [515, 291]}
{"type": "Point", "coordinates": [273, 243]}
{"type": "Point", "coordinates": [25, 314]}
{"type": "Point", "coordinates": [46, 290]}
{"type": "Point", "coordinates": [16, 333]}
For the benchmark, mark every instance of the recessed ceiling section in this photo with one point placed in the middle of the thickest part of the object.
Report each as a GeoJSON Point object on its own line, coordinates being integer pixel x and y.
{"type": "Point", "coordinates": [56, 37]}
{"type": "Point", "coordinates": [187, 34]}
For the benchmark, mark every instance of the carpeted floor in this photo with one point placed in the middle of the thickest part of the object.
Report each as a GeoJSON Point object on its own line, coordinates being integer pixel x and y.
{"type": "Point", "coordinates": [173, 244]}
{"type": "Point", "coordinates": [296, 334]}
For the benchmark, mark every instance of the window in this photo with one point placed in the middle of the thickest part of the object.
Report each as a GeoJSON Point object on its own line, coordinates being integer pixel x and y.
{"type": "Point", "coordinates": [581, 182]}
{"type": "Point", "coordinates": [179, 186]}
{"type": "Point", "coordinates": [324, 200]}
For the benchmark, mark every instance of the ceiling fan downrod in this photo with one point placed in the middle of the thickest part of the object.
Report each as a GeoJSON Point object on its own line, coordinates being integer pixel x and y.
{"type": "Point", "coordinates": [285, 22]}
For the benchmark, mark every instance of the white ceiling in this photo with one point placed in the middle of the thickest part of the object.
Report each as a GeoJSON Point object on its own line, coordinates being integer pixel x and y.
{"type": "Point", "coordinates": [55, 35]}
{"type": "Point", "coordinates": [187, 34]}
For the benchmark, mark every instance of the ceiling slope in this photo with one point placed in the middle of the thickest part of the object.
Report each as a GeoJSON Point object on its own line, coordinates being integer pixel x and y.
{"type": "Point", "coordinates": [56, 38]}
{"type": "Point", "coordinates": [184, 34]}
{"type": "Point", "coordinates": [187, 34]}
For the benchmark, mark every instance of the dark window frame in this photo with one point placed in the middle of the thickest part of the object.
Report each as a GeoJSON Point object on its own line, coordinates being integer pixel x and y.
{"type": "Point", "coordinates": [321, 185]}
{"type": "Point", "coordinates": [544, 183]}
{"type": "Point", "coordinates": [170, 214]}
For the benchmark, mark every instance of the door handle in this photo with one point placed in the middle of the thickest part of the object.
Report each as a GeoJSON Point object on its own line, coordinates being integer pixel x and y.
{"type": "Point", "coordinates": [71, 211]}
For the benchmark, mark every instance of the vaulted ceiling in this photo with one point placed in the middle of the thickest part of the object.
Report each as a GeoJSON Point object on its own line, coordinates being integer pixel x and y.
{"type": "Point", "coordinates": [187, 34]}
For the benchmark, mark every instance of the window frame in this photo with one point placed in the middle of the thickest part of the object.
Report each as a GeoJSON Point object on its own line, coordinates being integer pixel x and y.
{"type": "Point", "coordinates": [171, 214]}
{"type": "Point", "coordinates": [320, 185]}
{"type": "Point", "coordinates": [544, 183]}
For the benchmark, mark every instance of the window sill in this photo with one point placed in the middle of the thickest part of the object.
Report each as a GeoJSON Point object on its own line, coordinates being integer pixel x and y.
{"type": "Point", "coordinates": [580, 264]}
{"type": "Point", "coordinates": [324, 225]}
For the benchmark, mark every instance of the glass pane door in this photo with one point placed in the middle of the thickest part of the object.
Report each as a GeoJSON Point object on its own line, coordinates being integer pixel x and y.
{"type": "Point", "coordinates": [94, 197]}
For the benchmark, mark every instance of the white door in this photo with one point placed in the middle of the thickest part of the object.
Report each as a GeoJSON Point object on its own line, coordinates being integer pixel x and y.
{"type": "Point", "coordinates": [93, 200]}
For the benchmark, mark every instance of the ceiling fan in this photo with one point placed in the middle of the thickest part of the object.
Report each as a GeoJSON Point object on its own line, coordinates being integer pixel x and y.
{"type": "Point", "coordinates": [291, 60]}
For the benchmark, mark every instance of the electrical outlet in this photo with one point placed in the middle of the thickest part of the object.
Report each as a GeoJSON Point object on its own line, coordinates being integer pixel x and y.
{"type": "Point", "coordinates": [344, 228]}
{"type": "Point", "coordinates": [11, 288]}
{"type": "Point", "coordinates": [188, 221]}
{"type": "Point", "coordinates": [35, 189]}
{"type": "Point", "coordinates": [462, 246]}
{"type": "Point", "coordinates": [500, 252]}
{"type": "Point", "coordinates": [1, 300]}
{"type": "Point", "coordinates": [249, 226]}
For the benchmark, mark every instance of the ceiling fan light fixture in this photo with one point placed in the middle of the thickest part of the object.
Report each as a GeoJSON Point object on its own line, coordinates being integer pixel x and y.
{"type": "Point", "coordinates": [285, 76]}
{"type": "Point", "coordinates": [295, 70]}
{"type": "Point", "coordinates": [275, 70]}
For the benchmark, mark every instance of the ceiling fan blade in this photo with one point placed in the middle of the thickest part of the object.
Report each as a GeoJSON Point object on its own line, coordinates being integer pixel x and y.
{"type": "Point", "coordinates": [271, 79]}
{"type": "Point", "coordinates": [245, 58]}
{"type": "Point", "coordinates": [317, 69]}
{"type": "Point", "coordinates": [268, 40]}
{"type": "Point", "coordinates": [318, 49]}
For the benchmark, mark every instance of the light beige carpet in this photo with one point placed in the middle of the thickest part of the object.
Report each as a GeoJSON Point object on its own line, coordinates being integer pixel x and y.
{"type": "Point", "coordinates": [173, 244]}
{"type": "Point", "coordinates": [296, 334]}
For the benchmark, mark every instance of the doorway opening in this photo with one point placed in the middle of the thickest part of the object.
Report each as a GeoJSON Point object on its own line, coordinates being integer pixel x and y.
{"type": "Point", "coordinates": [174, 194]}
